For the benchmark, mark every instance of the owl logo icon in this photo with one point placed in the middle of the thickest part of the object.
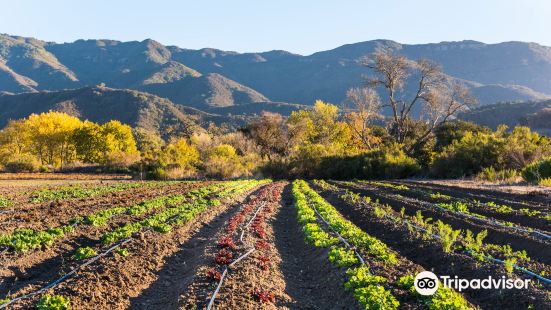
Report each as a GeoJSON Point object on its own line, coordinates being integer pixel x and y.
{"type": "Point", "coordinates": [426, 283]}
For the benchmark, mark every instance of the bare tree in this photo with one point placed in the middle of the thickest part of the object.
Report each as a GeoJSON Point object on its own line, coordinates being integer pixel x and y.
{"type": "Point", "coordinates": [361, 108]}
{"type": "Point", "coordinates": [434, 95]}
{"type": "Point", "coordinates": [268, 131]}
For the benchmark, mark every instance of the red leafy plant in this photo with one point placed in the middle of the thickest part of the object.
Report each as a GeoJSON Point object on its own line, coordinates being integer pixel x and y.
{"type": "Point", "coordinates": [264, 263]}
{"type": "Point", "coordinates": [226, 242]}
{"type": "Point", "coordinates": [223, 257]}
{"type": "Point", "coordinates": [263, 296]}
{"type": "Point", "coordinates": [262, 245]}
{"type": "Point", "coordinates": [214, 274]}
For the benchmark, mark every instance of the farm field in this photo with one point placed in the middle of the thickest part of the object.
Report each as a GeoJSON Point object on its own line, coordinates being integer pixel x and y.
{"type": "Point", "coordinates": [86, 243]}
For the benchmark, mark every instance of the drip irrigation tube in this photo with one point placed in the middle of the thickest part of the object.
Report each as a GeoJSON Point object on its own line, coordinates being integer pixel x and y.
{"type": "Point", "coordinates": [342, 239]}
{"type": "Point", "coordinates": [66, 276]}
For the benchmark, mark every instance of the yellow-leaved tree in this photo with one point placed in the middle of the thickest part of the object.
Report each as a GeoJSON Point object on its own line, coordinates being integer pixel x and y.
{"type": "Point", "coordinates": [110, 144]}
{"type": "Point", "coordinates": [51, 136]}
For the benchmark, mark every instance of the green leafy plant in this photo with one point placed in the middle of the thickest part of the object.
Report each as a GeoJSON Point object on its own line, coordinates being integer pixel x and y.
{"type": "Point", "coordinates": [406, 282]}
{"type": "Point", "coordinates": [361, 277]}
{"type": "Point", "coordinates": [440, 196]}
{"type": "Point", "coordinates": [53, 302]}
{"type": "Point", "coordinates": [314, 234]}
{"type": "Point", "coordinates": [375, 297]}
{"type": "Point", "coordinates": [447, 299]}
{"type": "Point", "coordinates": [23, 239]}
{"type": "Point", "coordinates": [448, 236]}
{"type": "Point", "coordinates": [456, 206]}
{"type": "Point", "coordinates": [509, 262]}
{"type": "Point", "coordinates": [4, 202]}
{"type": "Point", "coordinates": [342, 257]}
{"type": "Point", "coordinates": [122, 252]}
{"type": "Point", "coordinates": [84, 253]}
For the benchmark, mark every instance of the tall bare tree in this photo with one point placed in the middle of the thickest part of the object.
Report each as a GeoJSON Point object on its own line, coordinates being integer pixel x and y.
{"type": "Point", "coordinates": [415, 86]}
{"type": "Point", "coordinates": [361, 108]}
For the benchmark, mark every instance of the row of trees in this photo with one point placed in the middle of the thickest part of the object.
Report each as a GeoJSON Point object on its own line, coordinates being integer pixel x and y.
{"type": "Point", "coordinates": [356, 140]}
{"type": "Point", "coordinates": [56, 140]}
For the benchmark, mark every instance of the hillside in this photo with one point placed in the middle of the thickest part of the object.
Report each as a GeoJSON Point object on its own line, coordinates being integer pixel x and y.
{"type": "Point", "coordinates": [203, 92]}
{"type": "Point", "coordinates": [101, 104]}
{"type": "Point", "coordinates": [496, 72]}
{"type": "Point", "coordinates": [535, 114]}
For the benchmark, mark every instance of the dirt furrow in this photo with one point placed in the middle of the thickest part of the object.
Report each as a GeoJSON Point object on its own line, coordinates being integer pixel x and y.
{"type": "Point", "coordinates": [311, 280]}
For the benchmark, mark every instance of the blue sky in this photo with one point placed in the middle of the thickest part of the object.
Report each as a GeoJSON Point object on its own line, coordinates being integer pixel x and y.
{"type": "Point", "coordinates": [299, 26]}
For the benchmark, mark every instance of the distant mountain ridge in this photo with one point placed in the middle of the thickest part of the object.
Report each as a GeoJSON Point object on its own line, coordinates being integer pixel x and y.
{"type": "Point", "coordinates": [496, 72]}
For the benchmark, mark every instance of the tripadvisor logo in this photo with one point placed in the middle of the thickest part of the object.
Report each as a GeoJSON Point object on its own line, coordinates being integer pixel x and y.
{"type": "Point", "coordinates": [427, 283]}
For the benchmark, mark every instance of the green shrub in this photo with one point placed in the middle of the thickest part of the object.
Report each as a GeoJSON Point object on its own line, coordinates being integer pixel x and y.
{"type": "Point", "coordinates": [536, 171]}
{"type": "Point", "coordinates": [469, 155]}
{"type": "Point", "coordinates": [389, 162]}
{"type": "Point", "coordinates": [22, 164]}
{"type": "Point", "coordinates": [503, 176]}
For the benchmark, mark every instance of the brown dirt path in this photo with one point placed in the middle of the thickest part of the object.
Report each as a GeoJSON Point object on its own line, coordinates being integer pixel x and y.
{"type": "Point", "coordinates": [311, 280]}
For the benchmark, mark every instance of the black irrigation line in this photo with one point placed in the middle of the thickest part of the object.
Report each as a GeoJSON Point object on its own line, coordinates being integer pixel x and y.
{"type": "Point", "coordinates": [342, 239]}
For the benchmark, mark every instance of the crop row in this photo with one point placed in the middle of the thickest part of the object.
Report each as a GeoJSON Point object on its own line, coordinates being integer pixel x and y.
{"type": "Point", "coordinates": [451, 240]}
{"type": "Point", "coordinates": [45, 195]}
{"type": "Point", "coordinates": [22, 240]}
{"type": "Point", "coordinates": [461, 209]}
{"type": "Point", "coordinates": [176, 216]}
{"type": "Point", "coordinates": [368, 289]}
{"type": "Point", "coordinates": [203, 198]}
{"type": "Point", "coordinates": [463, 204]}
{"type": "Point", "coordinates": [231, 248]}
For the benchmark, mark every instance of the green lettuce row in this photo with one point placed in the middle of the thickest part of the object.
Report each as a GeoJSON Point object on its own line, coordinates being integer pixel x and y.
{"type": "Point", "coordinates": [176, 216]}
{"type": "Point", "coordinates": [87, 192]}
{"type": "Point", "coordinates": [23, 240]}
{"type": "Point", "coordinates": [366, 289]}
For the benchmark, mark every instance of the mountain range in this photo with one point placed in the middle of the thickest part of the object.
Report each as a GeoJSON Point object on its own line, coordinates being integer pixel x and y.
{"type": "Point", "coordinates": [230, 83]}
